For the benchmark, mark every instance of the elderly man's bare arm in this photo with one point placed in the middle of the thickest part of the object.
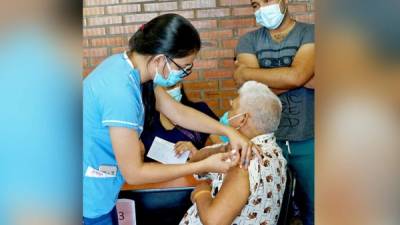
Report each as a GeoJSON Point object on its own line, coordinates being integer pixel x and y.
{"type": "Point", "coordinates": [234, 193]}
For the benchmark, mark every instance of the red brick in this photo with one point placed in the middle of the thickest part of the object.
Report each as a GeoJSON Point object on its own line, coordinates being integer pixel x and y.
{"type": "Point", "coordinates": [129, 29]}
{"type": "Point", "coordinates": [94, 61]}
{"type": "Point", "coordinates": [306, 18]}
{"type": "Point", "coordinates": [85, 43]}
{"type": "Point", "coordinates": [193, 95]}
{"type": "Point", "coordinates": [206, 13]}
{"type": "Point", "coordinates": [211, 94]}
{"type": "Point", "coordinates": [228, 84]}
{"type": "Point", "coordinates": [311, 7]}
{"type": "Point", "coordinates": [85, 62]}
{"type": "Point", "coordinates": [201, 85]}
{"type": "Point", "coordinates": [216, 34]}
{"type": "Point", "coordinates": [118, 9]}
{"type": "Point", "coordinates": [297, 8]}
{"type": "Point", "coordinates": [220, 94]}
{"type": "Point", "coordinates": [144, 17]}
{"type": "Point", "coordinates": [160, 6]}
{"type": "Point", "coordinates": [242, 11]}
{"type": "Point", "coordinates": [187, 14]}
{"type": "Point", "coordinates": [100, 2]}
{"type": "Point", "coordinates": [90, 32]}
{"type": "Point", "coordinates": [227, 63]}
{"type": "Point", "coordinates": [108, 24]}
{"type": "Point", "coordinates": [105, 20]}
{"type": "Point", "coordinates": [196, 4]}
{"type": "Point", "coordinates": [93, 11]}
{"type": "Point", "coordinates": [94, 52]}
{"type": "Point", "coordinates": [207, 44]}
{"type": "Point", "coordinates": [210, 74]}
{"type": "Point", "coordinates": [204, 24]}
{"type": "Point", "coordinates": [193, 76]}
{"type": "Point", "coordinates": [112, 41]}
{"type": "Point", "coordinates": [212, 103]}
{"type": "Point", "coordinates": [205, 64]}
{"type": "Point", "coordinates": [116, 50]}
{"type": "Point", "coordinates": [219, 112]}
{"type": "Point", "coordinates": [226, 104]}
{"type": "Point", "coordinates": [243, 31]}
{"type": "Point", "coordinates": [233, 23]}
{"type": "Point", "coordinates": [229, 94]}
{"type": "Point", "coordinates": [234, 2]}
{"type": "Point", "coordinates": [221, 53]}
{"type": "Point", "coordinates": [230, 43]}
{"type": "Point", "coordinates": [86, 71]}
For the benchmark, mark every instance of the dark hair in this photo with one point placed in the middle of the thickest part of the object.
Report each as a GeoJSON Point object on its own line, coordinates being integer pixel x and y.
{"type": "Point", "coordinates": [168, 34]}
{"type": "Point", "coordinates": [149, 102]}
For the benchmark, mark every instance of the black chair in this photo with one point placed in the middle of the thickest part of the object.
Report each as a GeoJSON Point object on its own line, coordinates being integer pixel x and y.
{"type": "Point", "coordinates": [168, 206]}
{"type": "Point", "coordinates": [284, 216]}
{"type": "Point", "coordinates": [160, 206]}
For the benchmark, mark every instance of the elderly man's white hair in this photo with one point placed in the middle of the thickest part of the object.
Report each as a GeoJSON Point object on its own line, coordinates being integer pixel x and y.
{"type": "Point", "coordinates": [262, 104]}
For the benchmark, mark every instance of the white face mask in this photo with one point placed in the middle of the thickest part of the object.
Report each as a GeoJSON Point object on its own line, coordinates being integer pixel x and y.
{"type": "Point", "coordinates": [270, 16]}
{"type": "Point", "coordinates": [176, 93]}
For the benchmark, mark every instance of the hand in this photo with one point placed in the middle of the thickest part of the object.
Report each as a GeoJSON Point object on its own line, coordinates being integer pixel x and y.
{"type": "Point", "coordinates": [203, 186]}
{"type": "Point", "coordinates": [246, 147]}
{"type": "Point", "coordinates": [183, 146]}
{"type": "Point", "coordinates": [221, 162]}
{"type": "Point", "coordinates": [239, 75]}
{"type": "Point", "coordinates": [226, 148]}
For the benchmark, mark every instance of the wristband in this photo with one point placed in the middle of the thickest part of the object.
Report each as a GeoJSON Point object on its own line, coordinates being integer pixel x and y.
{"type": "Point", "coordinates": [199, 193]}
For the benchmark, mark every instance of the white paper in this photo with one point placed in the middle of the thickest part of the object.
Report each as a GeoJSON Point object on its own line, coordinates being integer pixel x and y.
{"type": "Point", "coordinates": [163, 151]}
{"type": "Point", "coordinates": [126, 212]}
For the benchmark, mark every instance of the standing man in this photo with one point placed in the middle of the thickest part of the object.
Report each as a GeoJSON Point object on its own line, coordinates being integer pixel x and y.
{"type": "Point", "coordinates": [280, 54]}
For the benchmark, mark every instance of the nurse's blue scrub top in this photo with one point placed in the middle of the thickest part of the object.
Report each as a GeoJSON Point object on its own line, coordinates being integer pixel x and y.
{"type": "Point", "coordinates": [111, 98]}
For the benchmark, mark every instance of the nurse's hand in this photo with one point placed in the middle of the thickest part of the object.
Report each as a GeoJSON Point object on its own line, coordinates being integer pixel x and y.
{"type": "Point", "coordinates": [184, 146]}
{"type": "Point", "coordinates": [221, 162]}
{"type": "Point", "coordinates": [248, 149]}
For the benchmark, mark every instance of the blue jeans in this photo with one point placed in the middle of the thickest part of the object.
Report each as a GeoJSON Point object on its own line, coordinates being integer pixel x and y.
{"type": "Point", "coordinates": [110, 218]}
{"type": "Point", "coordinates": [301, 160]}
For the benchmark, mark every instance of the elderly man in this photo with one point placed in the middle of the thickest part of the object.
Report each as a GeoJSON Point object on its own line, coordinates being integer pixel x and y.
{"type": "Point", "coordinates": [241, 196]}
{"type": "Point", "coordinates": [280, 54]}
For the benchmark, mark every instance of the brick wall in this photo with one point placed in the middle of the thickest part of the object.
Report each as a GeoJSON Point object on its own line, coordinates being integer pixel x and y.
{"type": "Point", "coordinates": [108, 25]}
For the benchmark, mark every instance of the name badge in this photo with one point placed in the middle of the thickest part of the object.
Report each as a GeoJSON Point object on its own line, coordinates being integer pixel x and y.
{"type": "Point", "coordinates": [107, 169]}
{"type": "Point", "coordinates": [91, 172]}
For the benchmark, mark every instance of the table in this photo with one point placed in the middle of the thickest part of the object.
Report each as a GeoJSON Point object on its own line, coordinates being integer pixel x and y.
{"type": "Point", "coordinates": [160, 203]}
{"type": "Point", "coordinates": [187, 181]}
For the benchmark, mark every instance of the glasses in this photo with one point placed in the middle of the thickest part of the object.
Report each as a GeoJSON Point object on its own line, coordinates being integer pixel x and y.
{"type": "Point", "coordinates": [187, 70]}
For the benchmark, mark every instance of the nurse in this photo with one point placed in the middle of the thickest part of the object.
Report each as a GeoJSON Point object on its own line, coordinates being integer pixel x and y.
{"type": "Point", "coordinates": [162, 50]}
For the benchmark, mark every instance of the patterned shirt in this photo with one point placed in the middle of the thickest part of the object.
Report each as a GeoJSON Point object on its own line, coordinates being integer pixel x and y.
{"type": "Point", "coordinates": [267, 185]}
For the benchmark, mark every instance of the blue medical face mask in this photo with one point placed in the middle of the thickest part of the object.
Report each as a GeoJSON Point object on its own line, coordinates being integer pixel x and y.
{"type": "Point", "coordinates": [224, 120]}
{"type": "Point", "coordinates": [270, 16]}
{"type": "Point", "coordinates": [174, 77]}
{"type": "Point", "coordinates": [176, 93]}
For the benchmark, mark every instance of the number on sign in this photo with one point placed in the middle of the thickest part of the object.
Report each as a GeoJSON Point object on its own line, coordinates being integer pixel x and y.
{"type": "Point", "coordinates": [121, 216]}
